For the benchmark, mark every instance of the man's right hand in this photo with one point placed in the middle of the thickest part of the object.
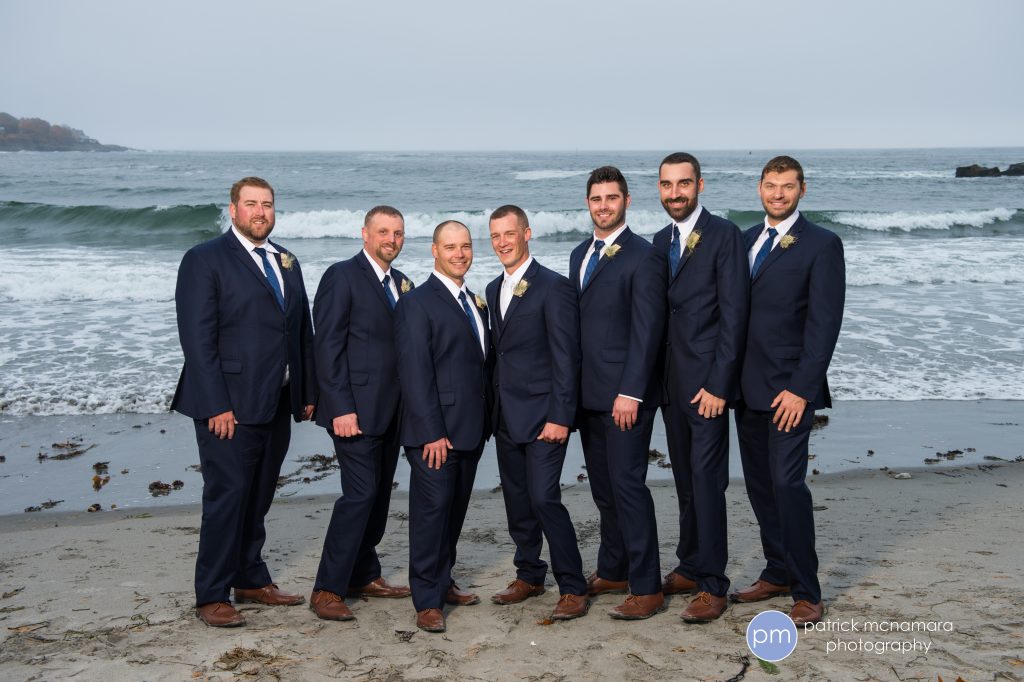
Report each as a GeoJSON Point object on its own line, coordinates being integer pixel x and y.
{"type": "Point", "coordinates": [222, 425]}
{"type": "Point", "coordinates": [436, 453]}
{"type": "Point", "coordinates": [346, 426]}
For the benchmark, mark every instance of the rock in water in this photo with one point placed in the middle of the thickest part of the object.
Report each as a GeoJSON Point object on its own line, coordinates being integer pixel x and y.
{"type": "Point", "coordinates": [976, 171]}
{"type": "Point", "coordinates": [1015, 170]}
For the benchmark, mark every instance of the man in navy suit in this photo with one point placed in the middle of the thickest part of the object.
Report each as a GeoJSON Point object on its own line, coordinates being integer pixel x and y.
{"type": "Point", "coordinates": [443, 346]}
{"type": "Point", "coordinates": [536, 333]}
{"type": "Point", "coordinates": [358, 404]}
{"type": "Point", "coordinates": [247, 337]}
{"type": "Point", "coordinates": [708, 300]}
{"type": "Point", "coordinates": [797, 292]}
{"type": "Point", "coordinates": [620, 280]}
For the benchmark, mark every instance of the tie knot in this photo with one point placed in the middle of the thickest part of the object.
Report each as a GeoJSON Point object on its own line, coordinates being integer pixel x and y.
{"type": "Point", "coordinates": [598, 245]}
{"type": "Point", "coordinates": [462, 296]}
{"type": "Point", "coordinates": [675, 230]}
{"type": "Point", "coordinates": [772, 233]}
{"type": "Point", "coordinates": [261, 251]}
{"type": "Point", "coordinates": [386, 280]}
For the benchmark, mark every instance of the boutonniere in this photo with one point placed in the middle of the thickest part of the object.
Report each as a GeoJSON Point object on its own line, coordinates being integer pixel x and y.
{"type": "Point", "coordinates": [287, 260]}
{"type": "Point", "coordinates": [407, 286]}
{"type": "Point", "coordinates": [787, 241]}
{"type": "Point", "coordinates": [611, 251]}
{"type": "Point", "coordinates": [692, 241]}
{"type": "Point", "coordinates": [480, 303]}
{"type": "Point", "coordinates": [520, 288]}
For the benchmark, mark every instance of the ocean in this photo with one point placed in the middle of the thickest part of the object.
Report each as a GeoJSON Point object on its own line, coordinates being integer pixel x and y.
{"type": "Point", "coordinates": [92, 241]}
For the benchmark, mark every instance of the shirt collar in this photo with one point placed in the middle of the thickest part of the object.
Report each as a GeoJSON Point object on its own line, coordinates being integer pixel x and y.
{"type": "Point", "coordinates": [610, 239]}
{"type": "Point", "coordinates": [783, 227]}
{"type": "Point", "coordinates": [376, 267]}
{"type": "Point", "coordinates": [248, 245]}
{"type": "Point", "coordinates": [450, 285]}
{"type": "Point", "coordinates": [686, 226]}
{"type": "Point", "coordinates": [517, 275]}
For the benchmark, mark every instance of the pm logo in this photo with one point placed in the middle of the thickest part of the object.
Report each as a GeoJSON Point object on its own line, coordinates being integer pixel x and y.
{"type": "Point", "coordinates": [771, 636]}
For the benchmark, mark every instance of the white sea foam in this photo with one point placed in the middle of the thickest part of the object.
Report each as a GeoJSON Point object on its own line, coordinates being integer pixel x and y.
{"type": "Point", "coordinates": [908, 221]}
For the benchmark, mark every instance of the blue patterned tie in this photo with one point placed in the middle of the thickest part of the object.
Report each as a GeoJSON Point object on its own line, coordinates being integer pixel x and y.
{"type": "Point", "coordinates": [592, 263]}
{"type": "Point", "coordinates": [470, 315]}
{"type": "Point", "coordinates": [674, 252]}
{"type": "Point", "coordinates": [271, 276]}
{"type": "Point", "coordinates": [766, 248]}
{"type": "Point", "coordinates": [387, 292]}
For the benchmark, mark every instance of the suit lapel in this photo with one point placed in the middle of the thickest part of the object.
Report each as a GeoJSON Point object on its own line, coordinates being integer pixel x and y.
{"type": "Point", "coordinates": [453, 304]}
{"type": "Point", "coordinates": [375, 283]}
{"type": "Point", "coordinates": [621, 242]}
{"type": "Point", "coordinates": [698, 229]}
{"type": "Point", "coordinates": [239, 251]}
{"type": "Point", "coordinates": [575, 263]}
{"type": "Point", "coordinates": [778, 252]}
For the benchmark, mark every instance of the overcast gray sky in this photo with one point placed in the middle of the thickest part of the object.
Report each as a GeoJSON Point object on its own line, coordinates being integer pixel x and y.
{"type": "Point", "coordinates": [531, 74]}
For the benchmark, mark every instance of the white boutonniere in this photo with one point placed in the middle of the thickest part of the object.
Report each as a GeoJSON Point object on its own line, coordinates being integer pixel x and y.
{"type": "Point", "coordinates": [520, 288]}
{"type": "Point", "coordinates": [407, 286]}
{"type": "Point", "coordinates": [611, 251]}
{"type": "Point", "coordinates": [787, 241]}
{"type": "Point", "coordinates": [692, 241]}
{"type": "Point", "coordinates": [480, 303]}
{"type": "Point", "coordinates": [287, 260]}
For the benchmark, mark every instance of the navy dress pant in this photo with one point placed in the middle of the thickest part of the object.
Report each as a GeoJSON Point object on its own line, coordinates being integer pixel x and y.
{"type": "Point", "coordinates": [774, 470]}
{"type": "Point", "coordinates": [367, 467]}
{"type": "Point", "coordinates": [239, 481]}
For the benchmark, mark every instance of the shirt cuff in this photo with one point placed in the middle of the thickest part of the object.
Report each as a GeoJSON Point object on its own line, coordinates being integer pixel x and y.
{"type": "Point", "coordinates": [623, 395]}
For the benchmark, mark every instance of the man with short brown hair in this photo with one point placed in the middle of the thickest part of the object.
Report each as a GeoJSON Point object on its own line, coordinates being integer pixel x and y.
{"type": "Point", "coordinates": [247, 338]}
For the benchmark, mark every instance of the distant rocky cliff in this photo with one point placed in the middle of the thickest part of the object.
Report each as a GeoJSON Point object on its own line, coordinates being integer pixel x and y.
{"type": "Point", "coordinates": [37, 135]}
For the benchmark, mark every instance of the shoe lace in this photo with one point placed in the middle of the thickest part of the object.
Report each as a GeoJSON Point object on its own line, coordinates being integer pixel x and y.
{"type": "Point", "coordinates": [567, 599]}
{"type": "Point", "coordinates": [704, 597]}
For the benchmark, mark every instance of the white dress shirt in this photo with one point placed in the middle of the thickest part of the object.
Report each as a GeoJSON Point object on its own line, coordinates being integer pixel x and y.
{"type": "Point", "coordinates": [782, 228]}
{"type": "Point", "coordinates": [686, 227]}
{"type": "Point", "coordinates": [471, 300]}
{"type": "Point", "coordinates": [380, 275]}
{"type": "Point", "coordinates": [509, 284]}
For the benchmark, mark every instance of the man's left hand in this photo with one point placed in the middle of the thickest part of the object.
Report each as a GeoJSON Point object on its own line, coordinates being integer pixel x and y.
{"type": "Point", "coordinates": [790, 412]}
{"type": "Point", "coordinates": [307, 413]}
{"type": "Point", "coordinates": [624, 411]}
{"type": "Point", "coordinates": [554, 433]}
{"type": "Point", "coordinates": [710, 406]}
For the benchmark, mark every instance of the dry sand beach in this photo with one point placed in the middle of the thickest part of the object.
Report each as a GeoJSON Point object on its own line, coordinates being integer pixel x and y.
{"type": "Point", "coordinates": [108, 596]}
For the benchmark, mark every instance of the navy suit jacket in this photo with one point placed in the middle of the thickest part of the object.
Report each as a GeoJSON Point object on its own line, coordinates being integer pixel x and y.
{"type": "Point", "coordinates": [708, 303]}
{"type": "Point", "coordinates": [622, 322]}
{"type": "Point", "coordinates": [537, 353]}
{"type": "Point", "coordinates": [355, 345]}
{"type": "Point", "coordinates": [443, 372]}
{"type": "Point", "coordinates": [796, 310]}
{"type": "Point", "coordinates": [235, 337]}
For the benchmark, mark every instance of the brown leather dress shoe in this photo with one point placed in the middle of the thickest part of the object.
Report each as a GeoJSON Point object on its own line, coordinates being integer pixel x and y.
{"type": "Point", "coordinates": [517, 591]}
{"type": "Point", "coordinates": [431, 620]}
{"type": "Point", "coordinates": [460, 597]}
{"type": "Point", "coordinates": [704, 608]}
{"type": "Point", "coordinates": [269, 595]}
{"type": "Point", "coordinates": [639, 606]}
{"type": "Point", "coordinates": [759, 591]}
{"type": "Point", "coordinates": [597, 585]}
{"type": "Point", "coordinates": [329, 606]}
{"type": "Point", "coordinates": [676, 584]}
{"type": "Point", "coordinates": [380, 588]}
{"type": "Point", "coordinates": [571, 606]}
{"type": "Point", "coordinates": [805, 612]}
{"type": "Point", "coordinates": [220, 614]}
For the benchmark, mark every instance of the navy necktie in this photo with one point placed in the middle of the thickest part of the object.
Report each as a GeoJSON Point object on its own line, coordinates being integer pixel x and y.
{"type": "Point", "coordinates": [674, 252]}
{"type": "Point", "coordinates": [766, 248]}
{"type": "Point", "coordinates": [592, 263]}
{"type": "Point", "coordinates": [387, 292]}
{"type": "Point", "coordinates": [271, 276]}
{"type": "Point", "coordinates": [470, 315]}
